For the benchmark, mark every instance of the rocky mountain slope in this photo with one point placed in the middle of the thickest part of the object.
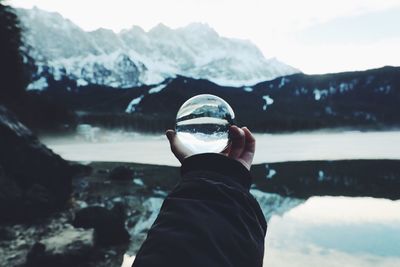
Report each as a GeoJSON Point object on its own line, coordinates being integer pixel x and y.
{"type": "Point", "coordinates": [133, 57]}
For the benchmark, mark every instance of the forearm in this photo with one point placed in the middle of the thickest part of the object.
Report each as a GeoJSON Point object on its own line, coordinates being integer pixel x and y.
{"type": "Point", "coordinates": [209, 219]}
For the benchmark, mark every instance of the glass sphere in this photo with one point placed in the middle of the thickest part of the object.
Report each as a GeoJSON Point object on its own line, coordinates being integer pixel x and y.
{"type": "Point", "coordinates": [202, 123]}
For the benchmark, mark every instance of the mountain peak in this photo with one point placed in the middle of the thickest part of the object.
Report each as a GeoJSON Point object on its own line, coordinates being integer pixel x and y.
{"type": "Point", "coordinates": [42, 15]}
{"type": "Point", "coordinates": [134, 29]}
{"type": "Point", "coordinates": [160, 28]}
{"type": "Point", "coordinates": [103, 31]}
{"type": "Point", "coordinates": [195, 50]}
{"type": "Point", "coordinates": [198, 28]}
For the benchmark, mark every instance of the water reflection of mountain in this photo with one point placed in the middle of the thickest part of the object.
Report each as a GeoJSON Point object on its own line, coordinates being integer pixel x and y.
{"type": "Point", "coordinates": [335, 232]}
{"type": "Point", "coordinates": [211, 111]}
{"type": "Point", "coordinates": [375, 178]}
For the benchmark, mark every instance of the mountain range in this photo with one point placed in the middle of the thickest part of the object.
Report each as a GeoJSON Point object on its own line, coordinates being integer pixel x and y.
{"type": "Point", "coordinates": [362, 100]}
{"type": "Point", "coordinates": [138, 80]}
{"type": "Point", "coordinates": [134, 57]}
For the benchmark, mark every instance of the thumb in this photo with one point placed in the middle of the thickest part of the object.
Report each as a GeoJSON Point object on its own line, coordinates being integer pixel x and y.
{"type": "Point", "coordinates": [170, 135]}
{"type": "Point", "coordinates": [177, 148]}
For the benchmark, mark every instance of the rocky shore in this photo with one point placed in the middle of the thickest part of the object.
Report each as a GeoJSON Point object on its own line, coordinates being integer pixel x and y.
{"type": "Point", "coordinates": [92, 230]}
{"type": "Point", "coordinates": [59, 213]}
{"type": "Point", "coordinates": [111, 209]}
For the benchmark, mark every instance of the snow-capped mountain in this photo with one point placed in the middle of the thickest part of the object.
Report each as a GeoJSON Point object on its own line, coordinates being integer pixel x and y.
{"type": "Point", "coordinates": [133, 56]}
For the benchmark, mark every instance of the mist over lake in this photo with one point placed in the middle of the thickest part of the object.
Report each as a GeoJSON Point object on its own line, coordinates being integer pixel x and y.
{"type": "Point", "coordinates": [95, 144]}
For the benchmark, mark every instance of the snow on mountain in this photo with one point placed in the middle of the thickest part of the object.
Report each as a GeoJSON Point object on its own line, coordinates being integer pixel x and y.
{"type": "Point", "coordinates": [133, 56]}
{"type": "Point", "coordinates": [132, 105]}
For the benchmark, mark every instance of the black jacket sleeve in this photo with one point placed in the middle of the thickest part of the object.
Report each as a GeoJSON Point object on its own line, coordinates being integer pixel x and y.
{"type": "Point", "coordinates": [209, 219]}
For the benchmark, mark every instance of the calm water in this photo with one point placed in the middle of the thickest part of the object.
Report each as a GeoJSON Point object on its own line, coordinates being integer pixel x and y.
{"type": "Point", "coordinates": [320, 231]}
{"type": "Point", "coordinates": [97, 145]}
{"type": "Point", "coordinates": [327, 231]}
{"type": "Point", "coordinates": [336, 231]}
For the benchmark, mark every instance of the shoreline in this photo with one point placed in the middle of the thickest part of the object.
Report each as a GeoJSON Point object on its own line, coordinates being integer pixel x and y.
{"type": "Point", "coordinates": [95, 145]}
{"type": "Point", "coordinates": [280, 186]}
{"type": "Point", "coordinates": [300, 179]}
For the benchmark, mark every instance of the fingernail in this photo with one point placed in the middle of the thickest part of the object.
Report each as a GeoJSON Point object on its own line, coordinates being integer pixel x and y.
{"type": "Point", "coordinates": [169, 134]}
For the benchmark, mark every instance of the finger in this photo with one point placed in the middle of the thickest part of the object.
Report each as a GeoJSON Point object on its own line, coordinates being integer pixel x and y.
{"type": "Point", "coordinates": [177, 148]}
{"type": "Point", "coordinates": [238, 142]}
{"type": "Point", "coordinates": [250, 146]}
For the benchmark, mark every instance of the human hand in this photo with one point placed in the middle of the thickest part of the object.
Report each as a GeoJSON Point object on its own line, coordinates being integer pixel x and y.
{"type": "Point", "coordinates": [241, 147]}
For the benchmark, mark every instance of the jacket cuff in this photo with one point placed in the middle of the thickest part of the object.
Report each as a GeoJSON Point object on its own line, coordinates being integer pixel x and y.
{"type": "Point", "coordinates": [216, 163]}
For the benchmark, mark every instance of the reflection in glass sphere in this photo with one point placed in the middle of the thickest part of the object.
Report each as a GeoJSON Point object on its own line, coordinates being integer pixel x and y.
{"type": "Point", "coordinates": [202, 123]}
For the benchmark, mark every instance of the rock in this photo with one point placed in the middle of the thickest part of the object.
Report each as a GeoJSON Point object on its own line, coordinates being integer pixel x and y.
{"type": "Point", "coordinates": [103, 171]}
{"type": "Point", "coordinates": [36, 255]}
{"type": "Point", "coordinates": [81, 170]}
{"type": "Point", "coordinates": [38, 179]}
{"type": "Point", "coordinates": [109, 225]}
{"type": "Point", "coordinates": [11, 199]}
{"type": "Point", "coordinates": [71, 247]}
{"type": "Point", "coordinates": [121, 173]}
{"type": "Point", "coordinates": [6, 234]}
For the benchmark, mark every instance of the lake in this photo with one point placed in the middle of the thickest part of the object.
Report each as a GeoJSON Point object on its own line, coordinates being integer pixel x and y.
{"type": "Point", "coordinates": [321, 231]}
{"type": "Point", "coordinates": [329, 231]}
{"type": "Point", "coordinates": [95, 144]}
{"type": "Point", "coordinates": [336, 231]}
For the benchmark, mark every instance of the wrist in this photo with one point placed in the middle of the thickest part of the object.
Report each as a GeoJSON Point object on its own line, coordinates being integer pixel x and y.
{"type": "Point", "coordinates": [220, 164]}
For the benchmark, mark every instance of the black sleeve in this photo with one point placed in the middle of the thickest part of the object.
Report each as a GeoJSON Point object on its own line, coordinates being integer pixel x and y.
{"type": "Point", "coordinates": [209, 219]}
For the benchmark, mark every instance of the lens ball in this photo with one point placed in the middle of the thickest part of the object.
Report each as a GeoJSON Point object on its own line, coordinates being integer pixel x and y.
{"type": "Point", "coordinates": [202, 123]}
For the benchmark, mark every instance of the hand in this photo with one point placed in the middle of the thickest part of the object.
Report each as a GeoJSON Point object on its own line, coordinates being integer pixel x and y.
{"type": "Point", "coordinates": [241, 147]}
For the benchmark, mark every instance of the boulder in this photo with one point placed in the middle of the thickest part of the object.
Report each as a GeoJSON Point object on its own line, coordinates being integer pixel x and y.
{"type": "Point", "coordinates": [35, 181]}
{"type": "Point", "coordinates": [70, 247]}
{"type": "Point", "coordinates": [6, 234]}
{"type": "Point", "coordinates": [121, 173]}
{"type": "Point", "coordinates": [109, 225]}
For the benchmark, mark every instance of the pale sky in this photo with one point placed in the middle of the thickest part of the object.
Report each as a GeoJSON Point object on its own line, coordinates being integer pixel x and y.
{"type": "Point", "coordinates": [316, 36]}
